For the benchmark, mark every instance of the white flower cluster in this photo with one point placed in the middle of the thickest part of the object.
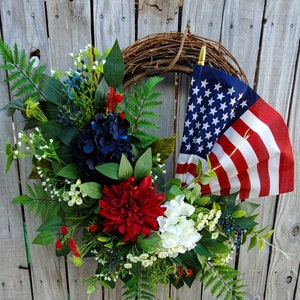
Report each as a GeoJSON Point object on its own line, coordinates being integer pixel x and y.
{"type": "Point", "coordinates": [74, 195]}
{"type": "Point", "coordinates": [145, 259]}
{"type": "Point", "coordinates": [109, 276]}
{"type": "Point", "coordinates": [178, 233]}
{"type": "Point", "coordinates": [208, 219]}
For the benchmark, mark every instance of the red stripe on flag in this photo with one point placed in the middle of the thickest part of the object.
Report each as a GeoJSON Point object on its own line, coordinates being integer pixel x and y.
{"type": "Point", "coordinates": [224, 184]}
{"type": "Point", "coordinates": [260, 150]}
{"type": "Point", "coordinates": [187, 168]}
{"type": "Point", "coordinates": [237, 159]}
{"type": "Point", "coordinates": [275, 122]}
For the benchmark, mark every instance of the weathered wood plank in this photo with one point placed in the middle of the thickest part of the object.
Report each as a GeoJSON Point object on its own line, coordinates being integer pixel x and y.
{"type": "Point", "coordinates": [69, 29]}
{"type": "Point", "coordinates": [29, 23]}
{"type": "Point", "coordinates": [241, 30]}
{"type": "Point", "coordinates": [15, 282]}
{"type": "Point", "coordinates": [279, 50]}
{"type": "Point", "coordinates": [282, 31]}
{"type": "Point", "coordinates": [204, 17]}
{"type": "Point", "coordinates": [113, 20]}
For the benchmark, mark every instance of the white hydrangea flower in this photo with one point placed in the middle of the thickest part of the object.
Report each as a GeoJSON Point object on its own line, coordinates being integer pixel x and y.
{"type": "Point", "coordinates": [178, 233]}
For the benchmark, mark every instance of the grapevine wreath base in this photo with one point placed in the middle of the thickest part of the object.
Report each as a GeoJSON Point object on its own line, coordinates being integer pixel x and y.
{"type": "Point", "coordinates": [160, 53]}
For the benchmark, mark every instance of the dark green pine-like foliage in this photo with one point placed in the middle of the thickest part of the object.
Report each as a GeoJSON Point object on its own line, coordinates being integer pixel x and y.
{"type": "Point", "coordinates": [22, 77]}
{"type": "Point", "coordinates": [139, 111]}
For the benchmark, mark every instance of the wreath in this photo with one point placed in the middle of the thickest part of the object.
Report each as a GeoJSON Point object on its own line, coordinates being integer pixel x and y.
{"type": "Point", "coordinates": [100, 168]}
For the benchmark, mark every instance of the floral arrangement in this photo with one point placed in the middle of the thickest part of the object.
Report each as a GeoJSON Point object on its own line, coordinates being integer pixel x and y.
{"type": "Point", "coordinates": [101, 171]}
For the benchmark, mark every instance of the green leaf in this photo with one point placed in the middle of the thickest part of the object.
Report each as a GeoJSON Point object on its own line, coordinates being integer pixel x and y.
{"type": "Point", "coordinates": [253, 242]}
{"type": "Point", "coordinates": [51, 224]}
{"type": "Point", "coordinates": [148, 244]}
{"type": "Point", "coordinates": [114, 67]}
{"type": "Point", "coordinates": [100, 95]}
{"type": "Point", "coordinates": [261, 244]}
{"type": "Point", "coordinates": [90, 289]}
{"type": "Point", "coordinates": [143, 165]}
{"type": "Point", "coordinates": [238, 213]}
{"type": "Point", "coordinates": [201, 250]}
{"type": "Point", "coordinates": [103, 239]}
{"type": "Point", "coordinates": [111, 170]}
{"type": "Point", "coordinates": [248, 207]}
{"type": "Point", "coordinates": [92, 189]}
{"type": "Point", "coordinates": [268, 234]}
{"type": "Point", "coordinates": [12, 106]}
{"type": "Point", "coordinates": [23, 199]}
{"type": "Point", "coordinates": [44, 238]}
{"type": "Point", "coordinates": [203, 201]}
{"type": "Point", "coordinates": [64, 134]}
{"type": "Point", "coordinates": [125, 169]}
{"type": "Point", "coordinates": [70, 171]}
{"type": "Point", "coordinates": [52, 89]}
{"type": "Point", "coordinates": [164, 147]}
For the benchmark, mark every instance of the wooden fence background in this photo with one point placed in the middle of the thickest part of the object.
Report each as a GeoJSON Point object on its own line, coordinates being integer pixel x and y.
{"type": "Point", "coordinates": [264, 37]}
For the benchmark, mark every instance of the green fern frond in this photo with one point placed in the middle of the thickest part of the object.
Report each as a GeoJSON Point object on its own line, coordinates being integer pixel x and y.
{"type": "Point", "coordinates": [22, 77]}
{"type": "Point", "coordinates": [16, 54]}
{"type": "Point", "coordinates": [142, 123]}
{"type": "Point", "coordinates": [139, 287]}
{"type": "Point", "coordinates": [223, 281]}
{"type": "Point", "coordinates": [6, 52]}
{"type": "Point", "coordinates": [139, 111]}
{"type": "Point", "coordinates": [152, 104]}
{"type": "Point", "coordinates": [150, 85]}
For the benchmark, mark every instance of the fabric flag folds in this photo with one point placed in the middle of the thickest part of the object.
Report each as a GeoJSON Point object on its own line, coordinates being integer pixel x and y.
{"type": "Point", "coordinates": [245, 139]}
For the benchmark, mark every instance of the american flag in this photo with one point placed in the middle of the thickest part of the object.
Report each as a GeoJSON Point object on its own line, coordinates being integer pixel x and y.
{"type": "Point", "coordinates": [246, 139]}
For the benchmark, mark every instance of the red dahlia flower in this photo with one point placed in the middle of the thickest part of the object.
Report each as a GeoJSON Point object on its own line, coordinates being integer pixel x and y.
{"type": "Point", "coordinates": [129, 208]}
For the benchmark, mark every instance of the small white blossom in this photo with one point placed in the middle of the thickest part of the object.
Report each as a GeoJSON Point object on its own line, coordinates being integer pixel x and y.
{"type": "Point", "coordinates": [128, 266]}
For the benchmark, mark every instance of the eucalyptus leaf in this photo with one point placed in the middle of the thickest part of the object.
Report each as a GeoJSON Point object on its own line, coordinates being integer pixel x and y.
{"type": "Point", "coordinates": [44, 238]}
{"type": "Point", "coordinates": [100, 95]}
{"type": "Point", "coordinates": [51, 89]}
{"type": "Point", "coordinates": [125, 169]}
{"type": "Point", "coordinates": [92, 189]}
{"type": "Point", "coordinates": [111, 170]}
{"type": "Point", "coordinates": [238, 213]}
{"type": "Point", "coordinates": [143, 165]}
{"type": "Point", "coordinates": [114, 66]}
{"type": "Point", "coordinates": [70, 171]}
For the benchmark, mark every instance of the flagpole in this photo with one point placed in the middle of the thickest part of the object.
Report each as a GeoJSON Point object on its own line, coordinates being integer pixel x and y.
{"type": "Point", "coordinates": [202, 54]}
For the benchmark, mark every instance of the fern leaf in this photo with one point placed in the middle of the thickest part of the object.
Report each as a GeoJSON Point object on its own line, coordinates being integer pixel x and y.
{"type": "Point", "coordinates": [6, 52]}
{"type": "Point", "coordinates": [25, 89]}
{"type": "Point", "coordinates": [142, 123]}
{"type": "Point", "coordinates": [150, 85]}
{"type": "Point", "coordinates": [23, 60]}
{"type": "Point", "coordinates": [7, 66]}
{"type": "Point", "coordinates": [153, 96]}
{"type": "Point", "coordinates": [138, 91]}
{"type": "Point", "coordinates": [16, 54]}
{"type": "Point", "coordinates": [29, 67]}
{"type": "Point", "coordinates": [13, 76]}
{"type": "Point", "coordinates": [37, 72]}
{"type": "Point", "coordinates": [152, 104]}
{"type": "Point", "coordinates": [18, 83]}
{"type": "Point", "coordinates": [149, 114]}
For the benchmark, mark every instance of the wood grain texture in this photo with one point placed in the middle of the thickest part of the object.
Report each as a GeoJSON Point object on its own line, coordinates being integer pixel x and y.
{"type": "Point", "coordinates": [15, 282]}
{"type": "Point", "coordinates": [113, 20]}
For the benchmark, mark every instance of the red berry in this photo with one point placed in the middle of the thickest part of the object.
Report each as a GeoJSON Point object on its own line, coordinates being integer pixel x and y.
{"type": "Point", "coordinates": [59, 245]}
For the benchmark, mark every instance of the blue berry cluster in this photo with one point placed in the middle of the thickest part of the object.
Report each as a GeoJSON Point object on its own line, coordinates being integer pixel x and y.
{"type": "Point", "coordinates": [232, 229]}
